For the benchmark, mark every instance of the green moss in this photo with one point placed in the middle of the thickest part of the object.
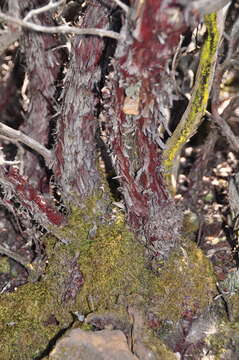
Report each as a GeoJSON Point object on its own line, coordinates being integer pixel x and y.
{"type": "Point", "coordinates": [4, 264]}
{"type": "Point", "coordinates": [159, 349]}
{"type": "Point", "coordinates": [113, 264]}
{"type": "Point", "coordinates": [111, 261]}
{"type": "Point", "coordinates": [224, 340]}
{"type": "Point", "coordinates": [217, 343]}
{"type": "Point", "coordinates": [186, 284]}
{"type": "Point", "coordinates": [24, 318]}
{"type": "Point", "coordinates": [234, 304]}
{"type": "Point", "coordinates": [34, 314]}
{"type": "Point", "coordinates": [109, 268]}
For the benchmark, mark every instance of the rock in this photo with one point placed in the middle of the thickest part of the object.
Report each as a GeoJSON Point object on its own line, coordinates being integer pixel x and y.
{"type": "Point", "coordinates": [78, 344]}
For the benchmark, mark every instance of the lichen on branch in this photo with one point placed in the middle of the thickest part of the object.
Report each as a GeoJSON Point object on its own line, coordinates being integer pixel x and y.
{"type": "Point", "coordinates": [197, 106]}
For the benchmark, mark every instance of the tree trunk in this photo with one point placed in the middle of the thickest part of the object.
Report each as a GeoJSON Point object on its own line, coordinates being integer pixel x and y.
{"type": "Point", "coordinates": [98, 258]}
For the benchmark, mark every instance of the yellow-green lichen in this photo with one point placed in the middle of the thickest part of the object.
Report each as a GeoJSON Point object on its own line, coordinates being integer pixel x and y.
{"type": "Point", "coordinates": [197, 105]}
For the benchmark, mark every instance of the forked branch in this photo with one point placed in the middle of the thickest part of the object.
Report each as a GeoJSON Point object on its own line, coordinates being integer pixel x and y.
{"type": "Point", "coordinates": [17, 135]}
{"type": "Point", "coordinates": [51, 5]}
{"type": "Point", "coordinates": [59, 29]}
{"type": "Point", "coordinates": [123, 6]}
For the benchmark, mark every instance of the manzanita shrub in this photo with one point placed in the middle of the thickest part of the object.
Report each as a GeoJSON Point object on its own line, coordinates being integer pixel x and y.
{"type": "Point", "coordinates": [126, 83]}
{"type": "Point", "coordinates": [84, 183]}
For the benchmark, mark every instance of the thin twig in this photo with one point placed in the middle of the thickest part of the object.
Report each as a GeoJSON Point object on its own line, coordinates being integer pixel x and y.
{"type": "Point", "coordinates": [61, 28]}
{"type": "Point", "coordinates": [17, 135]}
{"type": "Point", "coordinates": [226, 130]}
{"type": "Point", "coordinates": [174, 64]}
{"type": "Point", "coordinates": [207, 7]}
{"type": "Point", "coordinates": [232, 139]}
{"type": "Point", "coordinates": [232, 40]}
{"type": "Point", "coordinates": [18, 258]}
{"type": "Point", "coordinates": [9, 36]}
{"type": "Point", "coordinates": [34, 270]}
{"type": "Point", "coordinates": [6, 162]}
{"type": "Point", "coordinates": [123, 6]}
{"type": "Point", "coordinates": [51, 5]}
{"type": "Point", "coordinates": [20, 150]}
{"type": "Point", "coordinates": [231, 107]}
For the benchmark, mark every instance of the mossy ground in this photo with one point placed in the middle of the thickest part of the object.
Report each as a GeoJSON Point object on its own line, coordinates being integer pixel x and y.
{"type": "Point", "coordinates": [4, 265]}
{"type": "Point", "coordinates": [159, 348]}
{"type": "Point", "coordinates": [225, 342]}
{"type": "Point", "coordinates": [23, 321]}
{"type": "Point", "coordinates": [113, 264]}
{"type": "Point", "coordinates": [185, 285]}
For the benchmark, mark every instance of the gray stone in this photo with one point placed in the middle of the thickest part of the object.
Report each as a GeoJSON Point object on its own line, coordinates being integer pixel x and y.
{"type": "Point", "coordinates": [78, 344]}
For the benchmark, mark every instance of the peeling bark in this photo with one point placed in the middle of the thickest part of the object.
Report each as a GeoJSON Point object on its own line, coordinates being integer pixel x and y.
{"type": "Point", "coordinates": [43, 66]}
{"type": "Point", "coordinates": [75, 167]}
{"type": "Point", "coordinates": [101, 272]}
{"type": "Point", "coordinates": [137, 101]}
{"type": "Point", "coordinates": [16, 189]}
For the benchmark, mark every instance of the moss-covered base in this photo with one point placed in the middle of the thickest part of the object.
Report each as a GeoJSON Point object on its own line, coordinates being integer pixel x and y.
{"type": "Point", "coordinates": [25, 321]}
{"type": "Point", "coordinates": [158, 348]}
{"type": "Point", "coordinates": [111, 261]}
{"type": "Point", "coordinates": [225, 343]}
{"type": "Point", "coordinates": [113, 264]}
{"type": "Point", "coordinates": [185, 286]}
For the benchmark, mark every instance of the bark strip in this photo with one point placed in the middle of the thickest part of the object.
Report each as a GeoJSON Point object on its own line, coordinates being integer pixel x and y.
{"type": "Point", "coordinates": [137, 102]}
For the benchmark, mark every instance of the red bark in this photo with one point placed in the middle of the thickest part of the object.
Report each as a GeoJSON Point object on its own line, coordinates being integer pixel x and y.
{"type": "Point", "coordinates": [43, 66]}
{"type": "Point", "coordinates": [20, 190]}
{"type": "Point", "coordinates": [137, 100]}
{"type": "Point", "coordinates": [75, 167]}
